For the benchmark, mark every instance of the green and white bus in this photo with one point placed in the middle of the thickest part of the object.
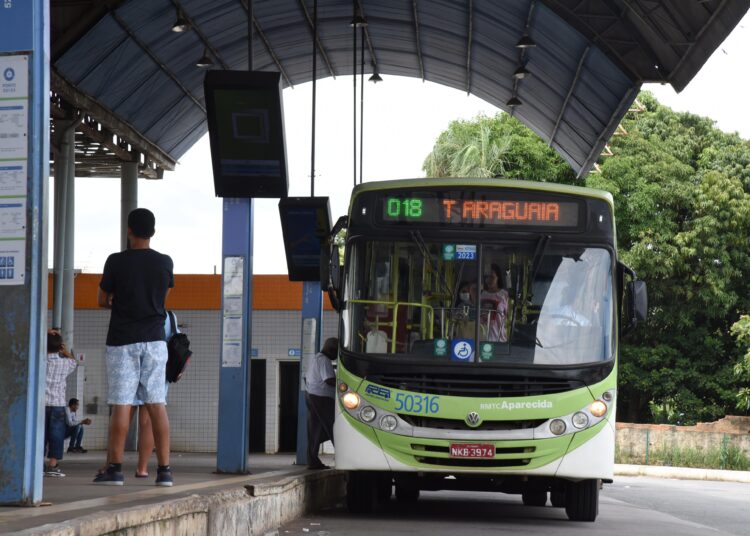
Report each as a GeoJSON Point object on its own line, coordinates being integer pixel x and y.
{"type": "Point", "coordinates": [479, 327]}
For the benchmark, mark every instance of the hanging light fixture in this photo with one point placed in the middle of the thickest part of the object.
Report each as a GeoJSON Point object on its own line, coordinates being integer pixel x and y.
{"type": "Point", "coordinates": [205, 61]}
{"type": "Point", "coordinates": [525, 42]}
{"type": "Point", "coordinates": [521, 73]}
{"type": "Point", "coordinates": [514, 101]}
{"type": "Point", "coordinates": [181, 24]}
{"type": "Point", "coordinates": [375, 78]}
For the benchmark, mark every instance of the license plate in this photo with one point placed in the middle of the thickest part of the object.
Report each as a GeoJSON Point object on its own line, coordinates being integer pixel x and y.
{"type": "Point", "coordinates": [472, 450]}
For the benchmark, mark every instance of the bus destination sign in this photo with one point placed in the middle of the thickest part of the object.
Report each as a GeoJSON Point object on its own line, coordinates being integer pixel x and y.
{"type": "Point", "coordinates": [485, 211]}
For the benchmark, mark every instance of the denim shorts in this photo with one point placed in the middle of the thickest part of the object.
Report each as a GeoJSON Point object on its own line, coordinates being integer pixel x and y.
{"type": "Point", "coordinates": [137, 372]}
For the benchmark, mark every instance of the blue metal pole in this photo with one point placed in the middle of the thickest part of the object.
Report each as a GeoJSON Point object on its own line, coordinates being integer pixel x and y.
{"type": "Point", "coordinates": [24, 71]}
{"type": "Point", "coordinates": [312, 319]}
{"type": "Point", "coordinates": [233, 444]}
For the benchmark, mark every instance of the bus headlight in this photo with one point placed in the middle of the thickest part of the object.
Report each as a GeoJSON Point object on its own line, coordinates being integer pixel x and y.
{"type": "Point", "coordinates": [607, 396]}
{"type": "Point", "coordinates": [598, 408]}
{"type": "Point", "coordinates": [388, 423]}
{"type": "Point", "coordinates": [557, 426]}
{"type": "Point", "coordinates": [350, 400]}
{"type": "Point", "coordinates": [367, 414]}
{"type": "Point", "coordinates": [580, 420]}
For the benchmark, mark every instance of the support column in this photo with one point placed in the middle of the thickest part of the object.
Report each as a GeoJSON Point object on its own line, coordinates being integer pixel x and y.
{"type": "Point", "coordinates": [129, 202]}
{"type": "Point", "coordinates": [66, 137]}
{"type": "Point", "coordinates": [68, 275]}
{"type": "Point", "coordinates": [24, 62]}
{"type": "Point", "coordinates": [312, 324]}
{"type": "Point", "coordinates": [233, 443]}
{"type": "Point", "coordinates": [128, 197]}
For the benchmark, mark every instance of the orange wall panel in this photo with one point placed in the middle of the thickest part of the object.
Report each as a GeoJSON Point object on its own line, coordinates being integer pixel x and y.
{"type": "Point", "coordinates": [203, 292]}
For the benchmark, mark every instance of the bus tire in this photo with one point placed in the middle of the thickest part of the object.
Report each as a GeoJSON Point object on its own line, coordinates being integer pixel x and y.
{"type": "Point", "coordinates": [361, 492]}
{"type": "Point", "coordinates": [534, 497]}
{"type": "Point", "coordinates": [557, 498]}
{"type": "Point", "coordinates": [582, 500]}
{"type": "Point", "coordinates": [407, 490]}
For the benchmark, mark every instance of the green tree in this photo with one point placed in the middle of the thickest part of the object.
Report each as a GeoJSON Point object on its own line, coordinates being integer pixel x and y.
{"type": "Point", "coordinates": [683, 217]}
{"type": "Point", "coordinates": [499, 146]}
{"type": "Point", "coordinates": [741, 330]}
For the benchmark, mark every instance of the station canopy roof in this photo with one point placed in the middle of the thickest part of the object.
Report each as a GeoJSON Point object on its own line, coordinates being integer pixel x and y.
{"type": "Point", "coordinates": [133, 82]}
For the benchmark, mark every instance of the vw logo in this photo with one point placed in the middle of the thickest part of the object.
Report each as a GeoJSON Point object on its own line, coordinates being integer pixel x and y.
{"type": "Point", "coordinates": [473, 419]}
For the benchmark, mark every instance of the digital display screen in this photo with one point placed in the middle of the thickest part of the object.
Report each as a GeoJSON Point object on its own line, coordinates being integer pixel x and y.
{"type": "Point", "coordinates": [246, 131]}
{"type": "Point", "coordinates": [305, 224]}
{"type": "Point", "coordinates": [487, 209]}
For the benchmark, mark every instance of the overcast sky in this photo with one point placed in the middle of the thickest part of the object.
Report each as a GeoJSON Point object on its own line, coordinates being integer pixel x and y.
{"type": "Point", "coordinates": [402, 119]}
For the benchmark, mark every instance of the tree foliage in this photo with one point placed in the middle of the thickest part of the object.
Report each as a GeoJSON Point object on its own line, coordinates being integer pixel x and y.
{"type": "Point", "coordinates": [741, 330]}
{"type": "Point", "coordinates": [499, 146]}
{"type": "Point", "coordinates": [681, 188]}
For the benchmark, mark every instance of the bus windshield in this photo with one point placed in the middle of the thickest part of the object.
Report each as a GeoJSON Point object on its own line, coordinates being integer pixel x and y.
{"type": "Point", "coordinates": [535, 302]}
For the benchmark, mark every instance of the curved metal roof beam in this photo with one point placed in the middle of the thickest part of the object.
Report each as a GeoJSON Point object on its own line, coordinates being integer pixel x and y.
{"type": "Point", "coordinates": [415, 11]}
{"type": "Point", "coordinates": [317, 40]}
{"type": "Point", "coordinates": [570, 93]}
{"type": "Point", "coordinates": [156, 60]}
{"type": "Point", "coordinates": [468, 46]}
{"type": "Point", "coordinates": [643, 43]}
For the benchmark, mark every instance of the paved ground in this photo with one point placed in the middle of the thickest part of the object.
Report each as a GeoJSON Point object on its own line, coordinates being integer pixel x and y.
{"type": "Point", "coordinates": [632, 506]}
{"type": "Point", "coordinates": [657, 506]}
{"type": "Point", "coordinates": [75, 495]}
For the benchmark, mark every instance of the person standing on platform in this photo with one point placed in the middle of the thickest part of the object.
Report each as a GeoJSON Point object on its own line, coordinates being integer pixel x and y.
{"type": "Point", "coordinates": [320, 399]}
{"type": "Point", "coordinates": [134, 285]}
{"type": "Point", "coordinates": [145, 432]}
{"type": "Point", "coordinates": [60, 365]}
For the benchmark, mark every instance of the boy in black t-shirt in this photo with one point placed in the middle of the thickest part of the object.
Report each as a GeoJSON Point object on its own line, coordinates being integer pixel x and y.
{"type": "Point", "coordinates": [135, 284]}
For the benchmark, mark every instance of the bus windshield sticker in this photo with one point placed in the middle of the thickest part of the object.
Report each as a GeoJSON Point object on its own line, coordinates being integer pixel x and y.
{"type": "Point", "coordinates": [462, 350]}
{"type": "Point", "coordinates": [466, 252]}
{"type": "Point", "coordinates": [440, 348]}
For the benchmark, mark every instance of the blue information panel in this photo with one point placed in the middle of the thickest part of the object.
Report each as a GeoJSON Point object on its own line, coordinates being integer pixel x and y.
{"type": "Point", "coordinates": [17, 19]}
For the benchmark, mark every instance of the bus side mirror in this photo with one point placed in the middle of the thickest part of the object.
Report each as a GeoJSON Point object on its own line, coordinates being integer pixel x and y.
{"type": "Point", "coordinates": [637, 302]}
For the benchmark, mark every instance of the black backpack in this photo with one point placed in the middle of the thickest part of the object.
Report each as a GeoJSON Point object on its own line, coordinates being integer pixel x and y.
{"type": "Point", "coordinates": [178, 352]}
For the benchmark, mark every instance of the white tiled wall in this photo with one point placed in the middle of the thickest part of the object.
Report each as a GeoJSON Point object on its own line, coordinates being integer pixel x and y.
{"type": "Point", "coordinates": [193, 402]}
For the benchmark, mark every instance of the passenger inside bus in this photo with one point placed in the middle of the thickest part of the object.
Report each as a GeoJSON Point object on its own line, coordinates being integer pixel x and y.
{"type": "Point", "coordinates": [494, 305]}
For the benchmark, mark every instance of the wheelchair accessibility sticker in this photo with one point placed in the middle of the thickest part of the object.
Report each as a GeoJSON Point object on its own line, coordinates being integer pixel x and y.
{"type": "Point", "coordinates": [462, 350]}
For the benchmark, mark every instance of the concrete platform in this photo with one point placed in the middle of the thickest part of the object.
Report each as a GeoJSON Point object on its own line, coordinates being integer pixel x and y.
{"type": "Point", "coordinates": [200, 502]}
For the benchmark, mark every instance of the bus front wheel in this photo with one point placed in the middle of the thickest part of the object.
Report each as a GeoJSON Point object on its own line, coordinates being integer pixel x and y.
{"type": "Point", "coordinates": [557, 498]}
{"type": "Point", "coordinates": [582, 500]}
{"type": "Point", "coordinates": [361, 492]}
{"type": "Point", "coordinates": [407, 489]}
{"type": "Point", "coordinates": [534, 497]}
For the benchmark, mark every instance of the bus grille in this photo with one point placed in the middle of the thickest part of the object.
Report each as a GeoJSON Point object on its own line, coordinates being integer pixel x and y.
{"type": "Point", "coordinates": [522, 457]}
{"type": "Point", "coordinates": [459, 424]}
{"type": "Point", "coordinates": [475, 386]}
